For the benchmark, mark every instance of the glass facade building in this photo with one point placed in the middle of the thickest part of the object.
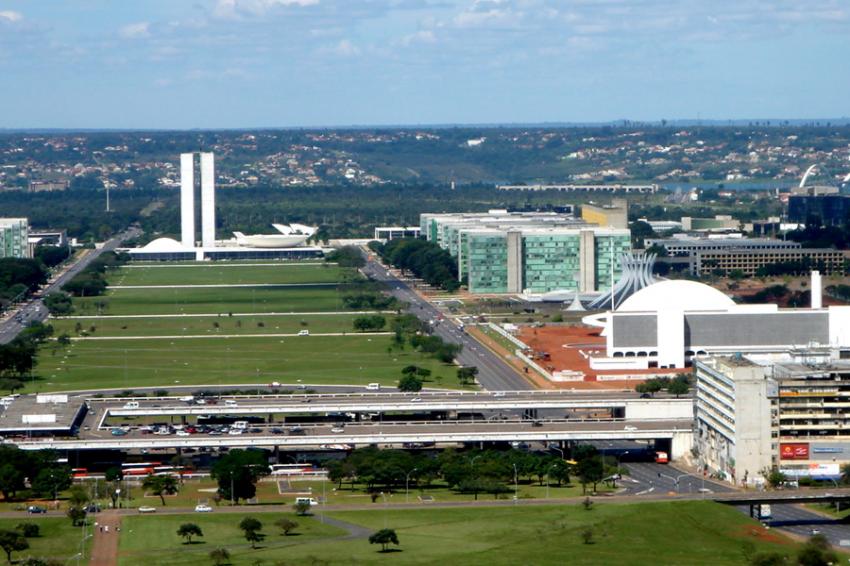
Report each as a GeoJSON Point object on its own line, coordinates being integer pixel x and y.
{"type": "Point", "coordinates": [14, 234]}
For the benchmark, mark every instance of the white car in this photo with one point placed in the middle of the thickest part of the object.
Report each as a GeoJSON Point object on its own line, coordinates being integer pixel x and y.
{"type": "Point", "coordinates": [203, 508]}
{"type": "Point", "coordinates": [303, 332]}
{"type": "Point", "coordinates": [147, 509]}
{"type": "Point", "coordinates": [234, 431]}
{"type": "Point", "coordinates": [187, 399]}
{"type": "Point", "coordinates": [630, 428]}
{"type": "Point", "coordinates": [182, 433]}
{"type": "Point", "coordinates": [337, 429]}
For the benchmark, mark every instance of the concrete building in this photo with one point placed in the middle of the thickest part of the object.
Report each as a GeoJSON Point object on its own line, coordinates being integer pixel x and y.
{"type": "Point", "coordinates": [789, 411]}
{"type": "Point", "coordinates": [720, 223]}
{"type": "Point", "coordinates": [821, 209]}
{"type": "Point", "coordinates": [733, 419]}
{"type": "Point", "coordinates": [501, 252]}
{"type": "Point", "coordinates": [288, 243]}
{"type": "Point", "coordinates": [388, 233]}
{"type": "Point", "coordinates": [614, 215]}
{"type": "Point", "coordinates": [684, 245]}
{"type": "Point", "coordinates": [14, 238]}
{"type": "Point", "coordinates": [670, 323]}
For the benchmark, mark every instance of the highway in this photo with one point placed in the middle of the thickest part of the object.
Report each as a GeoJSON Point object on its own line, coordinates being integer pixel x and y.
{"type": "Point", "coordinates": [34, 309]}
{"type": "Point", "coordinates": [494, 373]}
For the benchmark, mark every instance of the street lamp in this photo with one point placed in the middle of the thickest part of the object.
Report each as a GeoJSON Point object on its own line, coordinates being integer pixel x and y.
{"type": "Point", "coordinates": [406, 485]}
{"type": "Point", "coordinates": [516, 486]}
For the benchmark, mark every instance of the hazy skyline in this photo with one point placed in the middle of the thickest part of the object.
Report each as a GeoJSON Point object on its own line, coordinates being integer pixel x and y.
{"type": "Point", "coordinates": [283, 63]}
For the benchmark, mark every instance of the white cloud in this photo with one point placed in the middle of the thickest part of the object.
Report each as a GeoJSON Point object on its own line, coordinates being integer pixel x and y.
{"type": "Point", "coordinates": [11, 16]}
{"type": "Point", "coordinates": [137, 30]}
{"type": "Point", "coordinates": [345, 49]}
{"type": "Point", "coordinates": [236, 9]}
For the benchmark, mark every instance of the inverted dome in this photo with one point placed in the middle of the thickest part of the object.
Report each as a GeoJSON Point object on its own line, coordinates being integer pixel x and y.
{"type": "Point", "coordinates": [677, 294]}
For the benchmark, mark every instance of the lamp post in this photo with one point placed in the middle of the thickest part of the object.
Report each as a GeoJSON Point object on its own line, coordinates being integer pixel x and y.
{"type": "Point", "coordinates": [406, 485]}
{"type": "Point", "coordinates": [516, 485]}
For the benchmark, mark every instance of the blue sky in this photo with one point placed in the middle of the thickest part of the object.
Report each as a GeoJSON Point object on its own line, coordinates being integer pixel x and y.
{"type": "Point", "coordinates": [281, 63]}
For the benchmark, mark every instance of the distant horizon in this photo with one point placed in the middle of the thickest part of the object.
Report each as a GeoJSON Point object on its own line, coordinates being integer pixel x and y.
{"type": "Point", "coordinates": [623, 123]}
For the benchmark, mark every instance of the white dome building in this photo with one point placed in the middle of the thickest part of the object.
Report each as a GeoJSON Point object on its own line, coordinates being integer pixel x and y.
{"type": "Point", "coordinates": [668, 323]}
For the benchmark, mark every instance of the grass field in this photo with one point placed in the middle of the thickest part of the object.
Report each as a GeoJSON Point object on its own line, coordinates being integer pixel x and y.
{"type": "Point", "coordinates": [354, 359]}
{"type": "Point", "coordinates": [58, 540]}
{"type": "Point", "coordinates": [211, 274]}
{"type": "Point", "coordinates": [647, 533]}
{"type": "Point", "coordinates": [201, 300]}
{"type": "Point", "coordinates": [198, 326]}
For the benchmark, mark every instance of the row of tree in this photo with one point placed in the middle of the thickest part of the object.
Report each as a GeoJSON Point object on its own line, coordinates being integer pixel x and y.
{"type": "Point", "coordinates": [91, 281]}
{"type": "Point", "coordinates": [18, 357]}
{"type": "Point", "coordinates": [426, 260]}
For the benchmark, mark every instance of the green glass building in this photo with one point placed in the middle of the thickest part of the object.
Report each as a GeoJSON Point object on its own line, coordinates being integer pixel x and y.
{"type": "Point", "coordinates": [14, 234]}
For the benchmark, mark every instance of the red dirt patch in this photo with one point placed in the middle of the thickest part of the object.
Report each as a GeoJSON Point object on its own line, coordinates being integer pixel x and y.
{"type": "Point", "coordinates": [569, 348]}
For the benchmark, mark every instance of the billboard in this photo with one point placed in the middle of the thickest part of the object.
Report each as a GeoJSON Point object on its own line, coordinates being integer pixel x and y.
{"type": "Point", "coordinates": [814, 471]}
{"type": "Point", "coordinates": [794, 451]}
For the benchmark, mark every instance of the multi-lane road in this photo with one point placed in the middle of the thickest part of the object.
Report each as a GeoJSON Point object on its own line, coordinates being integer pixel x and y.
{"type": "Point", "coordinates": [493, 372]}
{"type": "Point", "coordinates": [34, 310]}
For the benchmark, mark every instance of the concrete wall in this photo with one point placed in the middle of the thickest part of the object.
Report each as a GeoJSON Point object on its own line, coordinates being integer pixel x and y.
{"type": "Point", "coordinates": [515, 262]}
{"type": "Point", "coordinates": [658, 409]}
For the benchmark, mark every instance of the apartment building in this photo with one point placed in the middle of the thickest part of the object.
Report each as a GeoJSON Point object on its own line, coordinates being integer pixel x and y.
{"type": "Point", "coordinates": [14, 234]}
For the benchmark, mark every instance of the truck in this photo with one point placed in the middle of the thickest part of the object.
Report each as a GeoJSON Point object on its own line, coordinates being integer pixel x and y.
{"type": "Point", "coordinates": [661, 458]}
{"type": "Point", "coordinates": [764, 511]}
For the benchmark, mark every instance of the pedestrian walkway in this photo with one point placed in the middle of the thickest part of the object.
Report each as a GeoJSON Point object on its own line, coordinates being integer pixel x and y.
{"type": "Point", "coordinates": [104, 550]}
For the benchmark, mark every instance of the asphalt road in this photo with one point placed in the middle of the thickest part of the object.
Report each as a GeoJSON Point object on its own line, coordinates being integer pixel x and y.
{"type": "Point", "coordinates": [34, 310]}
{"type": "Point", "coordinates": [493, 372]}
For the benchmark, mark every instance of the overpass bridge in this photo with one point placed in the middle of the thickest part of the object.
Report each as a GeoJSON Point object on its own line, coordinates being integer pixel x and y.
{"type": "Point", "coordinates": [626, 405]}
{"type": "Point", "coordinates": [678, 432]}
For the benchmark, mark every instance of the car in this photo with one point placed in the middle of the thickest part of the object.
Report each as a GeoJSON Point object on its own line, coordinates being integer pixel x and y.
{"type": "Point", "coordinates": [499, 394]}
{"type": "Point", "coordinates": [35, 509]}
{"type": "Point", "coordinates": [92, 508]}
{"type": "Point", "coordinates": [304, 332]}
{"type": "Point", "coordinates": [200, 508]}
{"type": "Point", "coordinates": [146, 509]}
{"type": "Point", "coordinates": [183, 433]}
{"type": "Point", "coordinates": [536, 423]}
{"type": "Point", "coordinates": [296, 430]}
{"type": "Point", "coordinates": [416, 399]}
{"type": "Point", "coordinates": [630, 428]}
{"type": "Point", "coordinates": [337, 429]}
{"type": "Point", "coordinates": [255, 430]}
{"type": "Point", "coordinates": [118, 432]}
{"type": "Point", "coordinates": [131, 405]}
{"type": "Point", "coordinates": [274, 384]}
{"type": "Point", "coordinates": [230, 403]}
{"type": "Point", "coordinates": [235, 431]}
{"type": "Point", "coordinates": [200, 401]}
{"type": "Point", "coordinates": [277, 430]}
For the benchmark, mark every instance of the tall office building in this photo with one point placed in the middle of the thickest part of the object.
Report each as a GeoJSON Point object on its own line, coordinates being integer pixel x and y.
{"type": "Point", "coordinates": [502, 252]}
{"type": "Point", "coordinates": [187, 200]}
{"type": "Point", "coordinates": [14, 233]}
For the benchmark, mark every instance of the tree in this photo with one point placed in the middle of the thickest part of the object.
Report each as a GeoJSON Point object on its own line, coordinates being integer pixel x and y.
{"type": "Point", "coordinates": [58, 304]}
{"type": "Point", "coordinates": [12, 541]}
{"type": "Point", "coordinates": [240, 469]}
{"type": "Point", "coordinates": [466, 375]}
{"type": "Point", "coordinates": [845, 473]}
{"type": "Point", "coordinates": [590, 470]}
{"type": "Point", "coordinates": [384, 537]}
{"type": "Point", "coordinates": [410, 384]}
{"type": "Point", "coordinates": [10, 385]}
{"type": "Point", "coordinates": [251, 528]}
{"type": "Point", "coordinates": [286, 525]}
{"type": "Point", "coordinates": [678, 387]}
{"type": "Point", "coordinates": [77, 516]}
{"type": "Point", "coordinates": [775, 478]}
{"type": "Point", "coordinates": [768, 559]}
{"type": "Point", "coordinates": [51, 480]}
{"type": "Point", "coordinates": [11, 481]}
{"type": "Point", "coordinates": [28, 530]}
{"type": "Point", "coordinates": [816, 552]}
{"type": "Point", "coordinates": [220, 556]}
{"type": "Point", "coordinates": [189, 530]}
{"type": "Point", "coordinates": [160, 485]}
{"type": "Point", "coordinates": [301, 508]}
{"type": "Point", "coordinates": [587, 536]}
{"type": "Point", "coordinates": [78, 496]}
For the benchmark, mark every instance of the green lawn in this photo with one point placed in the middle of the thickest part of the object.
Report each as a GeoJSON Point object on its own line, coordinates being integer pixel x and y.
{"type": "Point", "coordinates": [200, 326]}
{"type": "Point", "coordinates": [212, 300]}
{"type": "Point", "coordinates": [58, 539]}
{"type": "Point", "coordinates": [646, 533]}
{"type": "Point", "coordinates": [212, 274]}
{"type": "Point", "coordinates": [355, 359]}
{"type": "Point", "coordinates": [150, 539]}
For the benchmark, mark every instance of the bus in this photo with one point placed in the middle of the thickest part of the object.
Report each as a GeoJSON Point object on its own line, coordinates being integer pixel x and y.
{"type": "Point", "coordinates": [287, 469]}
{"type": "Point", "coordinates": [139, 468]}
{"type": "Point", "coordinates": [661, 458]}
{"type": "Point", "coordinates": [77, 473]}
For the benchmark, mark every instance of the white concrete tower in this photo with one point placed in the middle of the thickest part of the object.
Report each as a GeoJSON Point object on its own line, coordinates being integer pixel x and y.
{"type": "Point", "coordinates": [816, 290]}
{"type": "Point", "coordinates": [187, 200]}
{"type": "Point", "coordinates": [207, 200]}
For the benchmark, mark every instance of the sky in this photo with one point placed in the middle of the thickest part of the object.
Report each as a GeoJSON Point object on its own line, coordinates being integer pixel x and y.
{"type": "Point", "coordinates": [300, 63]}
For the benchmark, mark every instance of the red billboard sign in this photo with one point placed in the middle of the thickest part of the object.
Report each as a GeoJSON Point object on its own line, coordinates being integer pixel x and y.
{"type": "Point", "coordinates": [794, 451]}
